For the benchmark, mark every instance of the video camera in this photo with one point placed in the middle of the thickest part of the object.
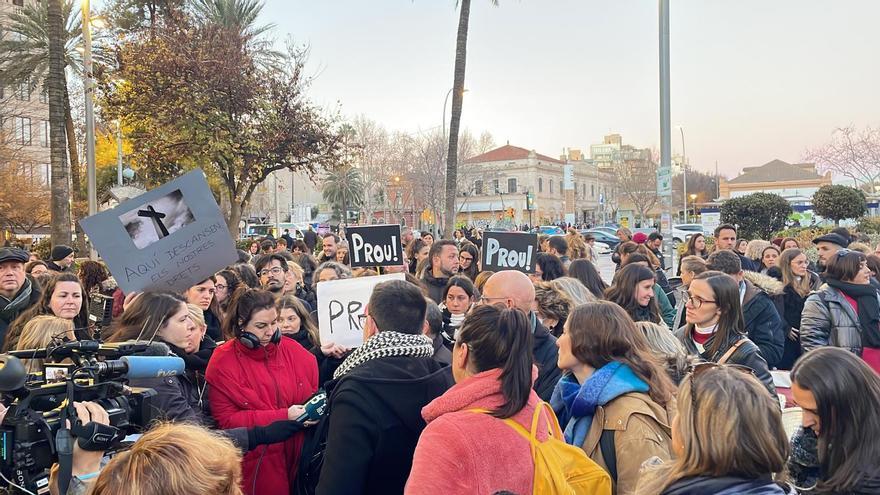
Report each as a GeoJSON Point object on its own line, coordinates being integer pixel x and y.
{"type": "Point", "coordinates": [30, 441]}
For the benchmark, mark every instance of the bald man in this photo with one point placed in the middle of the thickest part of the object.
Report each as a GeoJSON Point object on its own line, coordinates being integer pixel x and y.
{"type": "Point", "coordinates": [515, 290]}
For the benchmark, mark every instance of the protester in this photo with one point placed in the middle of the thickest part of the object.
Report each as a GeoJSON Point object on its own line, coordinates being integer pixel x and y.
{"type": "Point", "coordinates": [663, 344]}
{"type": "Point", "coordinates": [416, 251]}
{"type": "Point", "coordinates": [625, 235]}
{"type": "Point", "coordinates": [741, 245]}
{"type": "Point", "coordinates": [36, 268]}
{"type": "Point", "coordinates": [62, 297]}
{"type": "Point", "coordinates": [753, 252]}
{"type": "Point", "coordinates": [406, 236]}
{"type": "Point", "coordinates": [789, 243]}
{"type": "Point", "coordinates": [293, 282]}
{"type": "Point", "coordinates": [845, 312]}
{"type": "Point", "coordinates": [281, 245]}
{"type": "Point", "coordinates": [310, 238]}
{"type": "Point", "coordinates": [588, 275]}
{"type": "Point", "coordinates": [715, 331]}
{"type": "Point", "coordinates": [798, 282]}
{"type": "Point", "coordinates": [469, 260]}
{"type": "Point", "coordinates": [377, 395]}
{"type": "Point", "coordinates": [40, 332]}
{"type": "Point", "coordinates": [296, 323]}
{"type": "Point", "coordinates": [614, 399]}
{"type": "Point", "coordinates": [202, 295]}
{"type": "Point", "coordinates": [342, 253]}
{"type": "Point", "coordinates": [633, 290]}
{"type": "Point", "coordinates": [689, 267]}
{"type": "Point", "coordinates": [458, 297]}
{"type": "Point", "coordinates": [254, 248]}
{"type": "Point", "coordinates": [762, 321]}
{"type": "Point", "coordinates": [515, 290]}
{"type": "Point", "coordinates": [727, 438]}
{"type": "Point", "coordinates": [574, 289]}
{"type": "Point", "coordinates": [828, 245]}
{"type": "Point", "coordinates": [558, 246]}
{"type": "Point", "coordinates": [481, 280]}
{"type": "Point", "coordinates": [308, 263]}
{"type": "Point", "coordinates": [433, 329]}
{"type": "Point", "coordinates": [272, 269]}
{"type": "Point", "coordinates": [428, 238]}
{"type": "Point", "coordinates": [577, 248]}
{"type": "Point", "coordinates": [18, 292]}
{"type": "Point", "coordinates": [592, 254]}
{"type": "Point", "coordinates": [247, 274]}
{"type": "Point", "coordinates": [329, 248]}
{"type": "Point", "coordinates": [61, 258]}
{"type": "Point", "coordinates": [227, 282]}
{"type": "Point", "coordinates": [696, 246]}
{"type": "Point", "coordinates": [769, 258]}
{"type": "Point", "coordinates": [257, 377]}
{"type": "Point", "coordinates": [725, 239]}
{"type": "Point", "coordinates": [268, 246]}
{"type": "Point", "coordinates": [655, 245]}
{"type": "Point", "coordinates": [840, 397]}
{"type": "Point", "coordinates": [329, 270]}
{"type": "Point", "coordinates": [442, 264]}
{"type": "Point", "coordinates": [552, 306]}
{"type": "Point", "coordinates": [547, 267]}
{"type": "Point", "coordinates": [474, 420]}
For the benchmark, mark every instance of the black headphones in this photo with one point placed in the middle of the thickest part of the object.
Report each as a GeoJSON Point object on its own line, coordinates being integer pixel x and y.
{"type": "Point", "coordinates": [251, 341]}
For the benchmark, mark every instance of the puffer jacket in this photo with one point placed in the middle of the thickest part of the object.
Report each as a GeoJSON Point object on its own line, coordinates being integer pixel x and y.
{"type": "Point", "coordinates": [761, 318]}
{"type": "Point", "coordinates": [642, 430]}
{"type": "Point", "coordinates": [747, 354]}
{"type": "Point", "coordinates": [829, 320]}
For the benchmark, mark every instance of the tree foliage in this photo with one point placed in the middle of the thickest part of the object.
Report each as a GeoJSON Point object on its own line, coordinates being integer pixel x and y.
{"type": "Point", "coordinates": [839, 202]}
{"type": "Point", "coordinates": [852, 153]}
{"type": "Point", "coordinates": [344, 189]}
{"type": "Point", "coordinates": [24, 200]}
{"type": "Point", "coordinates": [756, 215]}
{"type": "Point", "coordinates": [194, 94]}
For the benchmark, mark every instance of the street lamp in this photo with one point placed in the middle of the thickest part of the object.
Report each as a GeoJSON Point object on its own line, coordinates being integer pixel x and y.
{"type": "Point", "coordinates": [444, 107]}
{"type": "Point", "coordinates": [693, 202]}
{"type": "Point", "coordinates": [684, 176]}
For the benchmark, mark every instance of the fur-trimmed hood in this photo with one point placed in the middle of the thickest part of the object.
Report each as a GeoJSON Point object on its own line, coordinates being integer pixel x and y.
{"type": "Point", "coordinates": [766, 283]}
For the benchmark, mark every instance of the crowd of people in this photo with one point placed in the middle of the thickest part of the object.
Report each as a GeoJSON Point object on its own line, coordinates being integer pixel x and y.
{"type": "Point", "coordinates": [472, 381]}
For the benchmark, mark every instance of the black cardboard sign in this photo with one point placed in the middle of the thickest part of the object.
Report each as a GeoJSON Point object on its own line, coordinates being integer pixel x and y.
{"type": "Point", "coordinates": [509, 251]}
{"type": "Point", "coordinates": [374, 245]}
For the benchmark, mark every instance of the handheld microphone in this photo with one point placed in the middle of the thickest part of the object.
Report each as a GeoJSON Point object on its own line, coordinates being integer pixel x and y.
{"type": "Point", "coordinates": [134, 367]}
{"type": "Point", "coordinates": [315, 407]}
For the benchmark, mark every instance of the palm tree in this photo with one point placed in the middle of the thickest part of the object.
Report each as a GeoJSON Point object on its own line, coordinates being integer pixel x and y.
{"type": "Point", "coordinates": [455, 118]}
{"type": "Point", "coordinates": [56, 88]}
{"type": "Point", "coordinates": [241, 16]}
{"type": "Point", "coordinates": [344, 188]}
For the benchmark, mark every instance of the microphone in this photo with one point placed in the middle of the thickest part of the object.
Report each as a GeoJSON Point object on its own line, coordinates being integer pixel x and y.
{"type": "Point", "coordinates": [114, 349]}
{"type": "Point", "coordinates": [134, 367]}
{"type": "Point", "coordinates": [315, 407]}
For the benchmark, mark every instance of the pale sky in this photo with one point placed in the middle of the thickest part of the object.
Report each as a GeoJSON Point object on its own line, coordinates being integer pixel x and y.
{"type": "Point", "coordinates": [752, 80]}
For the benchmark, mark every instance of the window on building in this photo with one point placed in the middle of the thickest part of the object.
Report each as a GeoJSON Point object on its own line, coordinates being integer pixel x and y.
{"type": "Point", "coordinates": [560, 188]}
{"type": "Point", "coordinates": [575, 189]}
{"type": "Point", "coordinates": [44, 134]}
{"type": "Point", "coordinates": [592, 191]}
{"type": "Point", "coordinates": [45, 173]}
{"type": "Point", "coordinates": [44, 95]}
{"type": "Point", "coordinates": [24, 90]}
{"type": "Point", "coordinates": [540, 184]}
{"type": "Point", "coordinates": [478, 187]}
{"type": "Point", "coordinates": [495, 189]}
{"type": "Point", "coordinates": [22, 130]}
{"type": "Point", "coordinates": [551, 185]}
{"type": "Point", "coordinates": [511, 185]}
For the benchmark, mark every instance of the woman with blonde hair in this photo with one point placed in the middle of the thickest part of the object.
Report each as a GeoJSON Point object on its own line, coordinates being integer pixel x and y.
{"type": "Point", "coordinates": [179, 459]}
{"type": "Point", "coordinates": [667, 348]}
{"type": "Point", "coordinates": [574, 289]}
{"type": "Point", "coordinates": [40, 332]}
{"type": "Point", "coordinates": [754, 249]}
{"type": "Point", "coordinates": [552, 306]}
{"type": "Point", "coordinates": [577, 248]}
{"type": "Point", "coordinates": [728, 438]}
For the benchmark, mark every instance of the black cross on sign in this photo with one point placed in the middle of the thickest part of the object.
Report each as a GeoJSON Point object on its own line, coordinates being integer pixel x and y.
{"type": "Point", "coordinates": [157, 217]}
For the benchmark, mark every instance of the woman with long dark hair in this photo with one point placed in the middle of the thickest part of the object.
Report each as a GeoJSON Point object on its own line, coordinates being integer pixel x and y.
{"type": "Point", "coordinates": [202, 295]}
{"type": "Point", "coordinates": [633, 290]}
{"type": "Point", "coordinates": [258, 377]}
{"type": "Point", "coordinates": [63, 296]}
{"type": "Point", "coordinates": [469, 260]}
{"type": "Point", "coordinates": [547, 267]}
{"type": "Point", "coordinates": [715, 329]}
{"type": "Point", "coordinates": [846, 311]}
{"type": "Point", "coordinates": [416, 251]}
{"type": "Point", "coordinates": [614, 398]}
{"type": "Point", "coordinates": [586, 272]}
{"type": "Point", "coordinates": [479, 416]}
{"type": "Point", "coordinates": [696, 246]}
{"type": "Point", "coordinates": [458, 297]}
{"type": "Point", "coordinates": [296, 323]}
{"type": "Point", "coordinates": [226, 283]}
{"type": "Point", "coordinates": [840, 397]}
{"type": "Point", "coordinates": [799, 281]}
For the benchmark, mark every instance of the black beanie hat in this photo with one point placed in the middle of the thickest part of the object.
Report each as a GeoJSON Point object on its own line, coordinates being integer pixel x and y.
{"type": "Point", "coordinates": [60, 252]}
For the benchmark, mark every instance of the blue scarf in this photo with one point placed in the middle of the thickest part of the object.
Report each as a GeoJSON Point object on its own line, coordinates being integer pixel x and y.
{"type": "Point", "coordinates": [576, 403]}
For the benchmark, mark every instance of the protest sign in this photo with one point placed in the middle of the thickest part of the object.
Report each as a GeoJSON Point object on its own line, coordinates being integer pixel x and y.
{"type": "Point", "coordinates": [374, 245]}
{"type": "Point", "coordinates": [341, 302]}
{"type": "Point", "coordinates": [170, 238]}
{"type": "Point", "coordinates": [509, 251]}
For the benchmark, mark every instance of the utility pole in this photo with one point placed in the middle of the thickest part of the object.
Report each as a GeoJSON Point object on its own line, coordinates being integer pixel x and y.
{"type": "Point", "coordinates": [665, 124]}
{"type": "Point", "coordinates": [89, 83]}
{"type": "Point", "coordinates": [118, 153]}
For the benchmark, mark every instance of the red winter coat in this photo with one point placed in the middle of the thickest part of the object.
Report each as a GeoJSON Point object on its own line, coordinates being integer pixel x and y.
{"type": "Point", "coordinates": [254, 387]}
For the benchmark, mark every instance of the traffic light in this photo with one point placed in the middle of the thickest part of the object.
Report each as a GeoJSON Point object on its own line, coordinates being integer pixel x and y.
{"type": "Point", "coordinates": [530, 201]}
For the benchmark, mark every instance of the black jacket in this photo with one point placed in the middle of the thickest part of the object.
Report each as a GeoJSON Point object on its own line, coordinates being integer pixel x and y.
{"type": "Point", "coordinates": [213, 324]}
{"type": "Point", "coordinates": [659, 254]}
{"type": "Point", "coordinates": [546, 354]}
{"type": "Point", "coordinates": [9, 311]}
{"type": "Point", "coordinates": [748, 354]}
{"type": "Point", "coordinates": [375, 419]}
{"type": "Point", "coordinates": [747, 264]}
{"type": "Point", "coordinates": [435, 285]}
{"type": "Point", "coordinates": [727, 485]}
{"type": "Point", "coordinates": [663, 282]}
{"type": "Point", "coordinates": [311, 240]}
{"type": "Point", "coordinates": [326, 364]}
{"type": "Point", "coordinates": [762, 322]}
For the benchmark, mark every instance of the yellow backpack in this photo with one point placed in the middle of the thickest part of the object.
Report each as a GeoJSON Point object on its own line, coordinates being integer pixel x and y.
{"type": "Point", "coordinates": [559, 468]}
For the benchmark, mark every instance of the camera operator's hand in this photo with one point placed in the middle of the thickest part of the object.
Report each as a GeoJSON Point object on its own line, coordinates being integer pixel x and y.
{"type": "Point", "coordinates": [86, 462]}
{"type": "Point", "coordinates": [278, 431]}
{"type": "Point", "coordinates": [335, 350]}
{"type": "Point", "coordinates": [3, 410]}
{"type": "Point", "coordinates": [129, 298]}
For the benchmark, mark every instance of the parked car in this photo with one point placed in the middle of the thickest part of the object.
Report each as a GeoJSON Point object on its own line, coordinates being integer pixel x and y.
{"type": "Point", "coordinates": [602, 248]}
{"type": "Point", "coordinates": [682, 232]}
{"type": "Point", "coordinates": [609, 240]}
{"type": "Point", "coordinates": [607, 230]}
{"type": "Point", "coordinates": [550, 230]}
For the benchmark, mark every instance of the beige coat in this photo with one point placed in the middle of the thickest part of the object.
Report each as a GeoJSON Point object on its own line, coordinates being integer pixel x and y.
{"type": "Point", "coordinates": [643, 429]}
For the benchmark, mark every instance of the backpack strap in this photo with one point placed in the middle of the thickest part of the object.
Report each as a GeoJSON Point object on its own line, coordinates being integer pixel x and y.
{"type": "Point", "coordinates": [727, 355]}
{"type": "Point", "coordinates": [609, 452]}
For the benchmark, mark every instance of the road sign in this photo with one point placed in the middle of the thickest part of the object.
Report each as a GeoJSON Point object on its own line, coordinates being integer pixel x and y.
{"type": "Point", "coordinates": [664, 181]}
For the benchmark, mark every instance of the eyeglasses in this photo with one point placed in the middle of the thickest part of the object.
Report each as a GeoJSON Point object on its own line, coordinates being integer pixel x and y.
{"type": "Point", "coordinates": [700, 368]}
{"type": "Point", "coordinates": [274, 271]}
{"type": "Point", "coordinates": [362, 319]}
{"type": "Point", "coordinates": [220, 287]}
{"type": "Point", "coordinates": [486, 300]}
{"type": "Point", "coordinates": [697, 302]}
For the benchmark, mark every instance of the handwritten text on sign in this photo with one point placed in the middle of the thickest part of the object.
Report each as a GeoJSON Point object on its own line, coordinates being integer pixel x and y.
{"type": "Point", "coordinates": [374, 245]}
{"type": "Point", "coordinates": [341, 302]}
{"type": "Point", "coordinates": [509, 251]}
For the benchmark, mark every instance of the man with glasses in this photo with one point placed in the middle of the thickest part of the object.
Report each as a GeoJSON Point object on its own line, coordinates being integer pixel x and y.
{"type": "Point", "coordinates": [761, 318]}
{"type": "Point", "coordinates": [272, 269]}
{"type": "Point", "coordinates": [514, 290]}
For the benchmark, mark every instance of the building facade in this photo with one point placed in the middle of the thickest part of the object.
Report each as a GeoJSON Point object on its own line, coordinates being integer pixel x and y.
{"type": "Point", "coordinates": [795, 182]}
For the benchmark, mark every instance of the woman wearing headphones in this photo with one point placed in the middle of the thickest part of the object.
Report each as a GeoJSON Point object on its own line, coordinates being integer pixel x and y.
{"type": "Point", "coordinates": [256, 378]}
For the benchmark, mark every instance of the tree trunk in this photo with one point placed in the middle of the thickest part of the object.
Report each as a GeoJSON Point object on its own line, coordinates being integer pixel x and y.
{"type": "Point", "coordinates": [60, 203]}
{"type": "Point", "coordinates": [75, 178]}
{"type": "Point", "coordinates": [235, 209]}
{"type": "Point", "coordinates": [455, 118]}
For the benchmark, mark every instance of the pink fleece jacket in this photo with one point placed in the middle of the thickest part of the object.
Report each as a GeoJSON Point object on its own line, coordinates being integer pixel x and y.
{"type": "Point", "coordinates": [462, 452]}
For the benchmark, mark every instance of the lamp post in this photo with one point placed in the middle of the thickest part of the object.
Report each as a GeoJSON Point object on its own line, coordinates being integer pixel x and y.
{"type": "Point", "coordinates": [445, 101]}
{"type": "Point", "coordinates": [684, 175]}
{"type": "Point", "coordinates": [89, 86]}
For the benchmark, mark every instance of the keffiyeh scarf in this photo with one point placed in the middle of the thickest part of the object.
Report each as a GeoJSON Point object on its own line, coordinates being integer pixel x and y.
{"type": "Point", "coordinates": [386, 344]}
